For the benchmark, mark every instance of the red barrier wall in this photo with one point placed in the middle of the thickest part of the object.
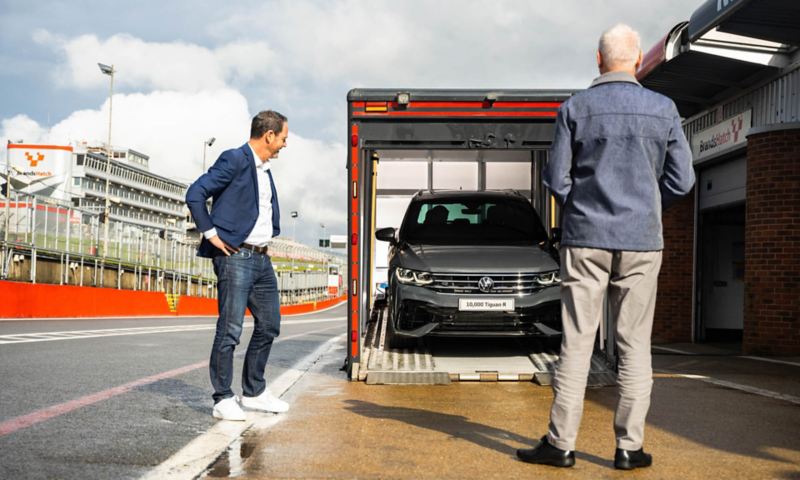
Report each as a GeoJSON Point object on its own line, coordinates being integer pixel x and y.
{"type": "Point", "coordinates": [26, 300]}
{"type": "Point", "coordinates": [197, 306]}
{"type": "Point", "coordinates": [311, 307]}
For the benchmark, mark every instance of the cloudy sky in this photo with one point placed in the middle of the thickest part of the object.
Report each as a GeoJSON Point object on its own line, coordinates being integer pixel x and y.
{"type": "Point", "coordinates": [192, 69]}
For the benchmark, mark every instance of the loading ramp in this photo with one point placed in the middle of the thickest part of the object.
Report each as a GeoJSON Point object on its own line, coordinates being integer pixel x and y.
{"type": "Point", "coordinates": [439, 361]}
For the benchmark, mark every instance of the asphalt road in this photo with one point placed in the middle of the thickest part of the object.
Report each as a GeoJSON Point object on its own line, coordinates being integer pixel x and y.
{"type": "Point", "coordinates": [119, 397]}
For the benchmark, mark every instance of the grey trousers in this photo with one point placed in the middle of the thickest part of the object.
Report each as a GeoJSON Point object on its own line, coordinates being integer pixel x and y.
{"type": "Point", "coordinates": [630, 279]}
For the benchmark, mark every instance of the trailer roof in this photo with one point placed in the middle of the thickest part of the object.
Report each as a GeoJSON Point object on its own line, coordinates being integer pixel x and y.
{"type": "Point", "coordinates": [521, 95]}
{"type": "Point", "coordinates": [457, 194]}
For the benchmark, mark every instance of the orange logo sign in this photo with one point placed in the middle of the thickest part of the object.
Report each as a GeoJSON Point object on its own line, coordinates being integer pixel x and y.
{"type": "Point", "coordinates": [34, 161]}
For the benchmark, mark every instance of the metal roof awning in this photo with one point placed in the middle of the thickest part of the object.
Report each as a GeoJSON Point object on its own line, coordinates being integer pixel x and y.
{"type": "Point", "coordinates": [696, 80]}
{"type": "Point", "coordinates": [773, 20]}
{"type": "Point", "coordinates": [699, 73]}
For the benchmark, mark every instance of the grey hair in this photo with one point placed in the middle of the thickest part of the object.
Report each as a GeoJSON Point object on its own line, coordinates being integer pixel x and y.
{"type": "Point", "coordinates": [620, 45]}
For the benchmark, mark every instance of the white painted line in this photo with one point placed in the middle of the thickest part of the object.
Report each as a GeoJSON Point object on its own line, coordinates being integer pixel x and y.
{"type": "Point", "coordinates": [312, 320]}
{"type": "Point", "coordinates": [749, 357]}
{"type": "Point", "coordinates": [150, 317]}
{"type": "Point", "coordinates": [673, 350]}
{"type": "Point", "coordinates": [113, 332]}
{"type": "Point", "coordinates": [771, 360]}
{"type": "Point", "coordinates": [745, 388]}
{"type": "Point", "coordinates": [77, 335]}
{"type": "Point", "coordinates": [193, 459]}
{"type": "Point", "coordinates": [24, 421]}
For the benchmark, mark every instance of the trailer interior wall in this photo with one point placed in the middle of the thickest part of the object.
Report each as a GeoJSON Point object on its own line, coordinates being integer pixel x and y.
{"type": "Point", "coordinates": [402, 173]}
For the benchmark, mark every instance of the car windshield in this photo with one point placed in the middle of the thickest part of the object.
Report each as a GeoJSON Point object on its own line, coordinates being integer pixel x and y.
{"type": "Point", "coordinates": [472, 221]}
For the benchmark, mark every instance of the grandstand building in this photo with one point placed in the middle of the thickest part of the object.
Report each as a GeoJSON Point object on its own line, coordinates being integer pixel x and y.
{"type": "Point", "coordinates": [137, 195]}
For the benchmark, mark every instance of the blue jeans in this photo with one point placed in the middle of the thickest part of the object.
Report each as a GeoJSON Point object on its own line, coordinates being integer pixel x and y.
{"type": "Point", "coordinates": [244, 280]}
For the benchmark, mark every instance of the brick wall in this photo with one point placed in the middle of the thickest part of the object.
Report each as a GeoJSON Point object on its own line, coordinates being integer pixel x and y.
{"type": "Point", "coordinates": [673, 317]}
{"type": "Point", "coordinates": [772, 244]}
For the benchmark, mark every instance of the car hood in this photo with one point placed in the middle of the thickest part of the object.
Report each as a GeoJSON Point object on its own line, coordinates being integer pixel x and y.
{"type": "Point", "coordinates": [474, 259]}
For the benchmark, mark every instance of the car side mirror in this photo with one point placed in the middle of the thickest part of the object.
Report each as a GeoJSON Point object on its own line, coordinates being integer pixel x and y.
{"type": "Point", "coordinates": [386, 235]}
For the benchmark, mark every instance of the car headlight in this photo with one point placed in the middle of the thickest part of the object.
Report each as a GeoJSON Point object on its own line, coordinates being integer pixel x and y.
{"type": "Point", "coordinates": [413, 277]}
{"type": "Point", "coordinates": [547, 279]}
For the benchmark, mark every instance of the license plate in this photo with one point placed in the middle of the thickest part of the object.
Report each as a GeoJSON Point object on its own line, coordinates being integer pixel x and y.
{"type": "Point", "coordinates": [485, 304]}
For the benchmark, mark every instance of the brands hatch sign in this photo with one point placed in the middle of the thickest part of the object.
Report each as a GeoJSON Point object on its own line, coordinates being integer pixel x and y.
{"type": "Point", "coordinates": [722, 137]}
{"type": "Point", "coordinates": [40, 169]}
{"type": "Point", "coordinates": [39, 161]}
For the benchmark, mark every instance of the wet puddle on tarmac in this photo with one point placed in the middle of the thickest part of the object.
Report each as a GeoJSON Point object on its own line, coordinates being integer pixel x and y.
{"type": "Point", "coordinates": [231, 463]}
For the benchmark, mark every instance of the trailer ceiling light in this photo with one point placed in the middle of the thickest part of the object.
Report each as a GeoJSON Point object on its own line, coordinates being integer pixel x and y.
{"type": "Point", "coordinates": [489, 100]}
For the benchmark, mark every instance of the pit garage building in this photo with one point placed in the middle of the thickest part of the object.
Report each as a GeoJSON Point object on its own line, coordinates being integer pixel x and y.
{"type": "Point", "coordinates": [732, 249]}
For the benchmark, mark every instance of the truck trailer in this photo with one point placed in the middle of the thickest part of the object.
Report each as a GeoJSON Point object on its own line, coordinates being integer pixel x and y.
{"type": "Point", "coordinates": [406, 141]}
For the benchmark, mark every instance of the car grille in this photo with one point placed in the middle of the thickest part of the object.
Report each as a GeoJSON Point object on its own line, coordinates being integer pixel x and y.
{"type": "Point", "coordinates": [467, 283]}
{"type": "Point", "coordinates": [414, 314]}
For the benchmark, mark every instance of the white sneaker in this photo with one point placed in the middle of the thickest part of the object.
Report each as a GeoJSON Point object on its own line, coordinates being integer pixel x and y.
{"type": "Point", "coordinates": [229, 409]}
{"type": "Point", "coordinates": [266, 402]}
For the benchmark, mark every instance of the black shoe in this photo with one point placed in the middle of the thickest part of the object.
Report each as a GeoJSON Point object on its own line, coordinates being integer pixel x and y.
{"type": "Point", "coordinates": [546, 454]}
{"type": "Point", "coordinates": [630, 459]}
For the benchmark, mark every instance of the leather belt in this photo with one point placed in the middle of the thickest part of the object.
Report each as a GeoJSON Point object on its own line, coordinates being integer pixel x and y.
{"type": "Point", "coordinates": [262, 250]}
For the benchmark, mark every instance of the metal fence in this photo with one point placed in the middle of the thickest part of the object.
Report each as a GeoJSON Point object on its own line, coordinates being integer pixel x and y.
{"type": "Point", "coordinates": [45, 240]}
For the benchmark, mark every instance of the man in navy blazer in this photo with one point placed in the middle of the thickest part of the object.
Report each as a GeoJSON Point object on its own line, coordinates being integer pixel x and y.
{"type": "Point", "coordinates": [244, 217]}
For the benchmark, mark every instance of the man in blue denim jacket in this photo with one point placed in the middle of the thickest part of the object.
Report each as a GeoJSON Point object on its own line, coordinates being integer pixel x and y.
{"type": "Point", "coordinates": [619, 157]}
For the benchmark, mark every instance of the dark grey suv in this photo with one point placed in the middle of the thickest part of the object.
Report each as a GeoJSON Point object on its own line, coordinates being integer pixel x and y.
{"type": "Point", "coordinates": [470, 264]}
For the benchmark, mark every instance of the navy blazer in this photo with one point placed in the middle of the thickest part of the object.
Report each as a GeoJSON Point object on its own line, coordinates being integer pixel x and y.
{"type": "Point", "coordinates": [232, 183]}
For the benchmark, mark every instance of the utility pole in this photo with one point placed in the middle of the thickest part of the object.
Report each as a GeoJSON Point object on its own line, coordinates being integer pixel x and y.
{"type": "Point", "coordinates": [325, 246]}
{"type": "Point", "coordinates": [294, 224]}
{"type": "Point", "coordinates": [108, 70]}
{"type": "Point", "coordinates": [8, 189]}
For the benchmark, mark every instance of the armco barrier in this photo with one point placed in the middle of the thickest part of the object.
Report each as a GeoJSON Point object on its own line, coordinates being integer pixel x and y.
{"type": "Point", "coordinates": [19, 300]}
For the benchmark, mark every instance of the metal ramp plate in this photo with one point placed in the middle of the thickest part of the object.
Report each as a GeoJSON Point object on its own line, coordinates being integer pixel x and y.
{"type": "Point", "coordinates": [600, 373]}
{"type": "Point", "coordinates": [397, 367]}
{"type": "Point", "coordinates": [463, 360]}
{"type": "Point", "coordinates": [470, 360]}
{"type": "Point", "coordinates": [407, 378]}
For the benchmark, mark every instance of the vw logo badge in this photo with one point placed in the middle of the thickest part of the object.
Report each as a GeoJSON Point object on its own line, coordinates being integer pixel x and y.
{"type": "Point", "coordinates": [486, 284]}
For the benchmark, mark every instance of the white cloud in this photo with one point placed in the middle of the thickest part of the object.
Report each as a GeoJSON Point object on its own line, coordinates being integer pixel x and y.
{"type": "Point", "coordinates": [301, 57]}
{"type": "Point", "coordinates": [142, 65]}
{"type": "Point", "coordinates": [448, 43]}
{"type": "Point", "coordinates": [21, 128]}
{"type": "Point", "coordinates": [311, 178]}
{"type": "Point", "coordinates": [170, 127]}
